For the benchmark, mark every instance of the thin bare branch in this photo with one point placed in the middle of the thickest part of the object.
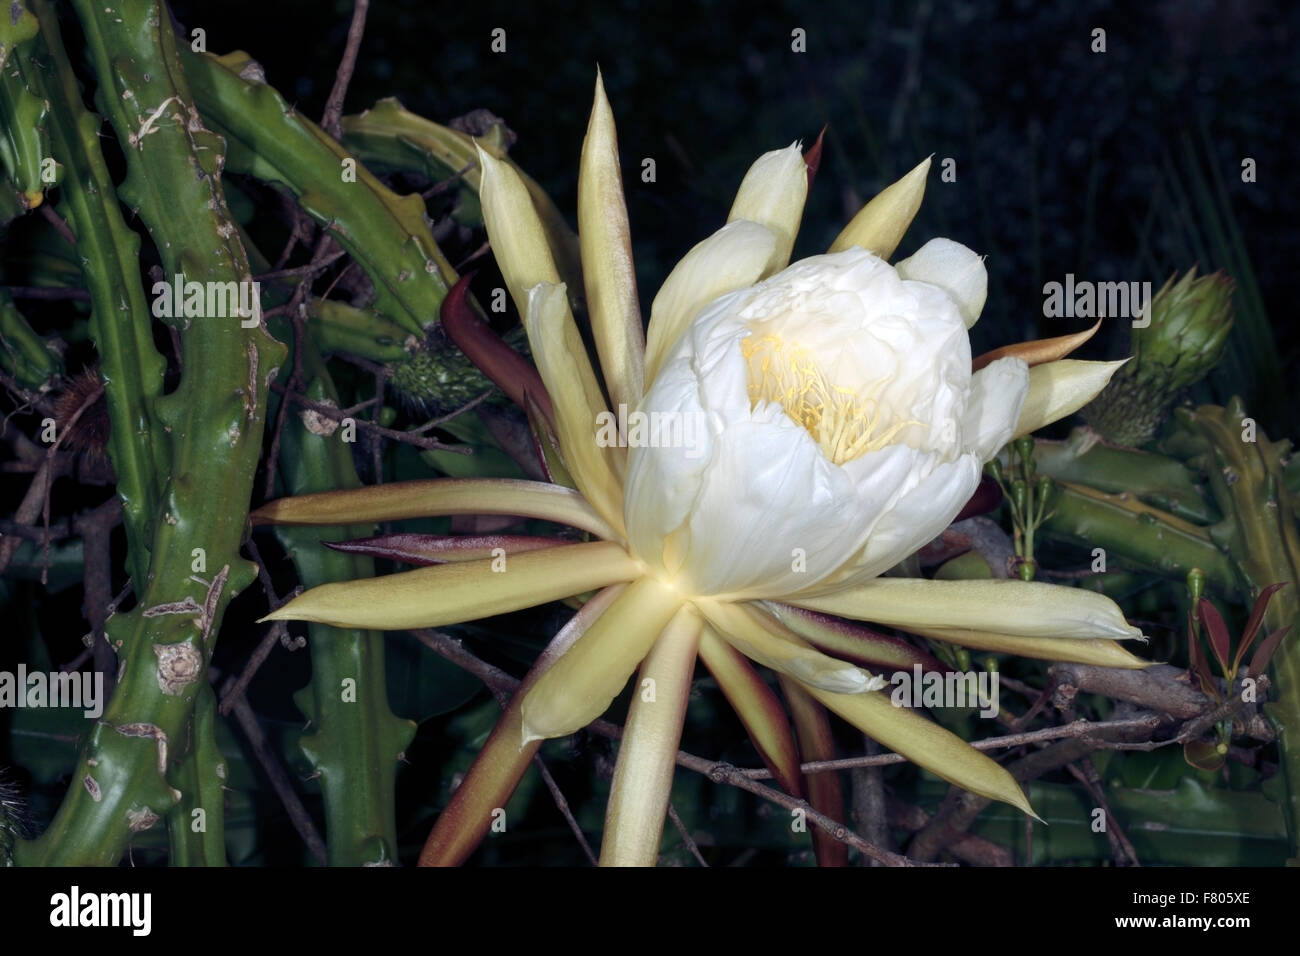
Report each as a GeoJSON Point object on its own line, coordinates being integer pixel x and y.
{"type": "Point", "coordinates": [331, 122]}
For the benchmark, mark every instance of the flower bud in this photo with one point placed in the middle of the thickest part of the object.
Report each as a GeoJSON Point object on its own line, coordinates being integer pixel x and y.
{"type": "Point", "coordinates": [1189, 322]}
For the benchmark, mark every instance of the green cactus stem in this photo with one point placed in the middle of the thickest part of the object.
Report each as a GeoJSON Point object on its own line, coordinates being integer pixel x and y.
{"type": "Point", "coordinates": [356, 741]}
{"type": "Point", "coordinates": [119, 318]}
{"type": "Point", "coordinates": [196, 824]}
{"type": "Point", "coordinates": [1156, 479]}
{"type": "Point", "coordinates": [23, 353]}
{"type": "Point", "coordinates": [214, 421]}
{"type": "Point", "coordinates": [390, 136]}
{"type": "Point", "coordinates": [1245, 472]}
{"type": "Point", "coordinates": [24, 139]}
{"type": "Point", "coordinates": [388, 235]}
{"type": "Point", "coordinates": [1138, 535]}
{"type": "Point", "coordinates": [339, 327]}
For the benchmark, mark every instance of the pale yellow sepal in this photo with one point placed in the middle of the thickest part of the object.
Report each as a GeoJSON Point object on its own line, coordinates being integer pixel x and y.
{"type": "Point", "coordinates": [576, 397]}
{"type": "Point", "coordinates": [514, 229]}
{"type": "Point", "coordinates": [647, 755]}
{"type": "Point", "coordinates": [608, 271]}
{"type": "Point", "coordinates": [583, 682]}
{"type": "Point", "coordinates": [772, 194]}
{"type": "Point", "coordinates": [771, 644]}
{"type": "Point", "coordinates": [464, 591]}
{"type": "Point", "coordinates": [732, 258]}
{"type": "Point", "coordinates": [1025, 608]}
{"type": "Point", "coordinates": [927, 744]}
{"type": "Point", "coordinates": [436, 497]}
{"type": "Point", "coordinates": [1101, 653]}
{"type": "Point", "coordinates": [1058, 389]}
{"type": "Point", "coordinates": [880, 224]}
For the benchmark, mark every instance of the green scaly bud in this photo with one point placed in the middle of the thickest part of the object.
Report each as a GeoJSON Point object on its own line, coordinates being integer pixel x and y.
{"type": "Point", "coordinates": [438, 378]}
{"type": "Point", "coordinates": [1188, 329]}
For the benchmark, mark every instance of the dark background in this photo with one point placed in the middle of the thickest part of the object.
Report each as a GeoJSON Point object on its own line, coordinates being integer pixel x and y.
{"type": "Point", "coordinates": [1067, 160]}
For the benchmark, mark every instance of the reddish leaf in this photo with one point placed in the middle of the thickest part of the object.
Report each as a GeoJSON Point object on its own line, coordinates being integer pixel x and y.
{"type": "Point", "coordinates": [1264, 653]}
{"type": "Point", "coordinates": [1217, 632]}
{"type": "Point", "coordinates": [1256, 621]}
{"type": "Point", "coordinates": [1199, 665]}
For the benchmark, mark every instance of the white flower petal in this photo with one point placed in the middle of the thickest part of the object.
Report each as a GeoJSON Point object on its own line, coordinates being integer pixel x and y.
{"type": "Point", "coordinates": [997, 395]}
{"type": "Point", "coordinates": [916, 518]}
{"type": "Point", "coordinates": [953, 268]}
{"type": "Point", "coordinates": [769, 517]}
{"type": "Point", "coordinates": [760, 505]}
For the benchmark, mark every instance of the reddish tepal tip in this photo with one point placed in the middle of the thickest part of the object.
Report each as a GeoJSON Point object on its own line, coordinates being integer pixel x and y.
{"type": "Point", "coordinates": [813, 158]}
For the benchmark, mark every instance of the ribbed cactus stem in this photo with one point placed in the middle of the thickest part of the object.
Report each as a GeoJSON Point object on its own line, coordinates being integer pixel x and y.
{"type": "Point", "coordinates": [120, 323]}
{"type": "Point", "coordinates": [22, 352]}
{"type": "Point", "coordinates": [213, 420]}
{"type": "Point", "coordinates": [1159, 480]}
{"type": "Point", "coordinates": [197, 825]}
{"type": "Point", "coordinates": [1134, 534]}
{"type": "Point", "coordinates": [1245, 471]}
{"type": "Point", "coordinates": [355, 742]}
{"type": "Point", "coordinates": [24, 138]}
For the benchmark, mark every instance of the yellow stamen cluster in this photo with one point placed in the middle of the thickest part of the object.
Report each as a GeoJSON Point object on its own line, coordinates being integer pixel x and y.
{"type": "Point", "coordinates": [843, 422]}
